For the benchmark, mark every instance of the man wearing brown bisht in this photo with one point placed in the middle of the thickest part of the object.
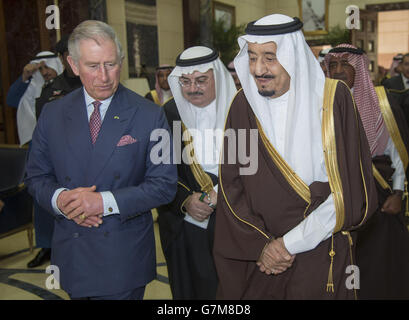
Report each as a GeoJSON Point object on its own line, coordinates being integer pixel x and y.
{"type": "Point", "coordinates": [285, 231]}
{"type": "Point", "coordinates": [382, 243]}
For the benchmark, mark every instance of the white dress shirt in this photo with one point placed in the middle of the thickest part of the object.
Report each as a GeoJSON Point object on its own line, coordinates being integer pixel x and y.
{"type": "Point", "coordinates": [109, 203]}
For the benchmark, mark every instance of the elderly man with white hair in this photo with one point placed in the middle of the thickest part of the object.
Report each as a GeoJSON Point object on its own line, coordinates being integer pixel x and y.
{"type": "Point", "coordinates": [285, 231]}
{"type": "Point", "coordinates": [90, 167]}
{"type": "Point", "coordinates": [202, 89]}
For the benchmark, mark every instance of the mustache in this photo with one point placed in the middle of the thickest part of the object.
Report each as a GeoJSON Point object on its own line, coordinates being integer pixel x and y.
{"type": "Point", "coordinates": [196, 93]}
{"type": "Point", "coordinates": [267, 76]}
{"type": "Point", "coordinates": [340, 76]}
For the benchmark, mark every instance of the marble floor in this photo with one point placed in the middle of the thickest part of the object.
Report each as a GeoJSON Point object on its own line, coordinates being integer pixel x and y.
{"type": "Point", "coordinates": [17, 282]}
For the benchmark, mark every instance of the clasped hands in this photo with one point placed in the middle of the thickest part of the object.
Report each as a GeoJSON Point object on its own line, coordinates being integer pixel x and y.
{"type": "Point", "coordinates": [82, 205]}
{"type": "Point", "coordinates": [200, 210]}
{"type": "Point", "coordinates": [275, 258]}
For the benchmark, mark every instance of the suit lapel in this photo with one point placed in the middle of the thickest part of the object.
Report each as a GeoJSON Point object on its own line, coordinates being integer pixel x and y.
{"type": "Point", "coordinates": [116, 121]}
{"type": "Point", "coordinates": [77, 131]}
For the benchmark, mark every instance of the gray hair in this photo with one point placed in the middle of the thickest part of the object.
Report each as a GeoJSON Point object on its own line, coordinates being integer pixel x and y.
{"type": "Point", "coordinates": [95, 30]}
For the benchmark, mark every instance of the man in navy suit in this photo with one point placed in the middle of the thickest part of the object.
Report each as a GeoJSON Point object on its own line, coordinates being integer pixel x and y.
{"type": "Point", "coordinates": [91, 167]}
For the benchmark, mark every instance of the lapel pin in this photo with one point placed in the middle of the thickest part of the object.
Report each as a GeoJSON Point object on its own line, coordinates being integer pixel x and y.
{"type": "Point", "coordinates": [116, 117]}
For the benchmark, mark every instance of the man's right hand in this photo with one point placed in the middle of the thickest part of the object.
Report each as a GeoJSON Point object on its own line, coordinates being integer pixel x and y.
{"type": "Point", "coordinates": [197, 209]}
{"type": "Point", "coordinates": [65, 198]}
{"type": "Point", "coordinates": [28, 71]}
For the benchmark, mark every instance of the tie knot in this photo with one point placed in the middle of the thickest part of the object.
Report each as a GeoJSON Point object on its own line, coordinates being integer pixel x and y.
{"type": "Point", "coordinates": [96, 104]}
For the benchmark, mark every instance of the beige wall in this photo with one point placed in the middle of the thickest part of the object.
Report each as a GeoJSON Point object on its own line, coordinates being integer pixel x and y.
{"type": "Point", "coordinates": [170, 22]}
{"type": "Point", "coordinates": [170, 30]}
{"type": "Point", "coordinates": [393, 35]}
{"type": "Point", "coordinates": [337, 8]}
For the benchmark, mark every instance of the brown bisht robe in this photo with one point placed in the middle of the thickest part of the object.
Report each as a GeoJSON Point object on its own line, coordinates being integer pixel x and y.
{"type": "Point", "coordinates": [383, 243]}
{"type": "Point", "coordinates": [264, 205]}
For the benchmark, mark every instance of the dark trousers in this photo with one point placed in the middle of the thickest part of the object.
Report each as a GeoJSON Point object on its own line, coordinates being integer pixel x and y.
{"type": "Point", "coordinates": [136, 294]}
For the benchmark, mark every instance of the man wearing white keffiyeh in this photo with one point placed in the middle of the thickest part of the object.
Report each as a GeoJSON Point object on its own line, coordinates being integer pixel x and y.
{"type": "Point", "coordinates": [284, 232]}
{"type": "Point", "coordinates": [202, 89]}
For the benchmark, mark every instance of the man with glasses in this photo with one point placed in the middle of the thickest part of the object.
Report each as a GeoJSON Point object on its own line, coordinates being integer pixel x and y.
{"type": "Point", "coordinates": [202, 89]}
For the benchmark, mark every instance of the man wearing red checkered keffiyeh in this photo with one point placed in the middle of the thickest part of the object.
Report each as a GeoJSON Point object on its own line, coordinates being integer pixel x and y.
{"type": "Point", "coordinates": [382, 250]}
{"type": "Point", "coordinates": [363, 90]}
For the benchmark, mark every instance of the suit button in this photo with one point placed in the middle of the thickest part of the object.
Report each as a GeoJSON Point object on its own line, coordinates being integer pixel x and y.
{"type": "Point", "coordinates": [75, 235]}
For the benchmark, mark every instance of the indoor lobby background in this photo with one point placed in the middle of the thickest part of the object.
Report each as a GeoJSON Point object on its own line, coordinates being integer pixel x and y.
{"type": "Point", "coordinates": [154, 32]}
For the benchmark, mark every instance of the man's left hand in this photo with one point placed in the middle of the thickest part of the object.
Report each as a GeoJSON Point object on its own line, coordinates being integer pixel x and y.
{"type": "Point", "coordinates": [393, 204]}
{"type": "Point", "coordinates": [213, 198]}
{"type": "Point", "coordinates": [275, 258]}
{"type": "Point", "coordinates": [83, 204]}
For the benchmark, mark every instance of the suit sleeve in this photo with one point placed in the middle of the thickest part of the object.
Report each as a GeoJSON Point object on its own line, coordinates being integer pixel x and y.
{"type": "Point", "coordinates": [160, 182]}
{"type": "Point", "coordinates": [40, 174]}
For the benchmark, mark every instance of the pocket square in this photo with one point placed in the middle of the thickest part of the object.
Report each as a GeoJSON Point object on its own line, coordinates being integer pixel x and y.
{"type": "Point", "coordinates": [125, 140]}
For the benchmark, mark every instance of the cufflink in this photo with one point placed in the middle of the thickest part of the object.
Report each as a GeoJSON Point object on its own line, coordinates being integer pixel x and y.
{"type": "Point", "coordinates": [110, 209]}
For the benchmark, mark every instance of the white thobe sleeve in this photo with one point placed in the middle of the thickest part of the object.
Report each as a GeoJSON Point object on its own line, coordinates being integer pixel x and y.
{"type": "Point", "coordinates": [398, 176]}
{"type": "Point", "coordinates": [314, 229]}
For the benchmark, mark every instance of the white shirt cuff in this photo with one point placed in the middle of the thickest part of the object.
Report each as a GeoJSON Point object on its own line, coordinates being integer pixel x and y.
{"type": "Point", "coordinates": [54, 201]}
{"type": "Point", "coordinates": [110, 205]}
{"type": "Point", "coordinates": [314, 229]}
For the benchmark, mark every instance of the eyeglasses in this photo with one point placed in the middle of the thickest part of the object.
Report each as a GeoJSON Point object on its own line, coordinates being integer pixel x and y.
{"type": "Point", "coordinates": [199, 83]}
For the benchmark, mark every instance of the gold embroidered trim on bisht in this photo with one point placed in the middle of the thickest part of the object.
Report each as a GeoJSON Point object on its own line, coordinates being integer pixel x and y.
{"type": "Point", "coordinates": [378, 177]}
{"type": "Point", "coordinates": [394, 132]}
{"type": "Point", "coordinates": [221, 182]}
{"type": "Point", "coordinates": [391, 125]}
{"type": "Point", "coordinates": [184, 186]}
{"type": "Point", "coordinates": [155, 97]}
{"type": "Point", "coordinates": [202, 178]}
{"type": "Point", "coordinates": [292, 178]}
{"type": "Point", "coordinates": [330, 152]}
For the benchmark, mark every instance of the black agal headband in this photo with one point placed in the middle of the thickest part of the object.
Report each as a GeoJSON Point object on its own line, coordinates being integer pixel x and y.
{"type": "Point", "coordinates": [195, 61]}
{"type": "Point", "coordinates": [273, 29]}
{"type": "Point", "coordinates": [48, 56]}
{"type": "Point", "coordinates": [345, 49]}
